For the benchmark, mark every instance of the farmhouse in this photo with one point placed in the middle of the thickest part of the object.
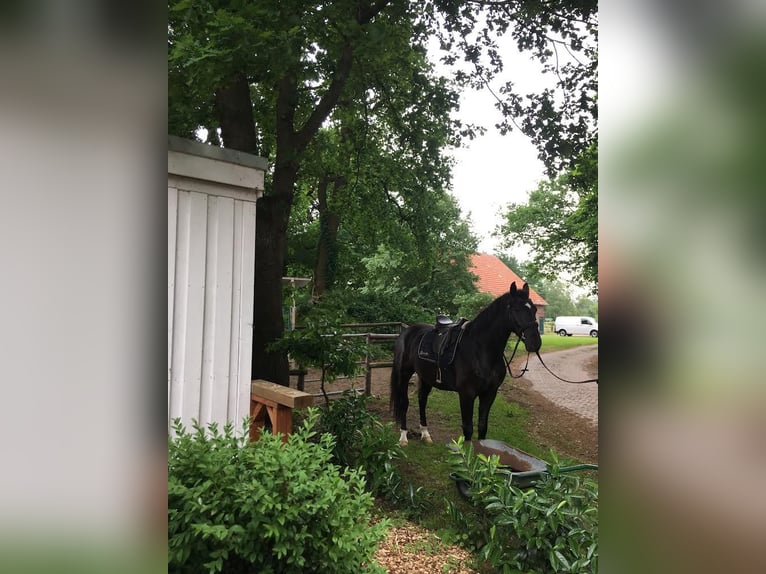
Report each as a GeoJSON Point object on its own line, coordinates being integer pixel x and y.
{"type": "Point", "coordinates": [495, 277]}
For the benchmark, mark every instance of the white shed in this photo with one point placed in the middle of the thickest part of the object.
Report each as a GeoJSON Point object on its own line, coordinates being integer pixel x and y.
{"type": "Point", "coordinates": [212, 195]}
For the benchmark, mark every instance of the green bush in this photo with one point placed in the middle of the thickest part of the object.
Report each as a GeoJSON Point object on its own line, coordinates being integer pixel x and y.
{"type": "Point", "coordinates": [320, 343]}
{"type": "Point", "coordinates": [267, 506]}
{"type": "Point", "coordinates": [552, 527]}
{"type": "Point", "coordinates": [361, 439]}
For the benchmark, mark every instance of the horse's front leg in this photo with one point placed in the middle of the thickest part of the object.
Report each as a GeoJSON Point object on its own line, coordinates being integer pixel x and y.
{"type": "Point", "coordinates": [423, 391]}
{"type": "Point", "coordinates": [485, 403]}
{"type": "Point", "coordinates": [466, 413]}
{"type": "Point", "coordinates": [403, 404]}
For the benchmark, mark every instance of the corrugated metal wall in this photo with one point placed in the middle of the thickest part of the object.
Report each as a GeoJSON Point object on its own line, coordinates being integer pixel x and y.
{"type": "Point", "coordinates": [211, 268]}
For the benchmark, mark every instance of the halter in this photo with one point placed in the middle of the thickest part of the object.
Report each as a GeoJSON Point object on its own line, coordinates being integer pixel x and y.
{"type": "Point", "coordinates": [522, 328]}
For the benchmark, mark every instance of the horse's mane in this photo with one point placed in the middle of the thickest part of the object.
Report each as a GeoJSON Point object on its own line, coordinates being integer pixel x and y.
{"type": "Point", "coordinates": [487, 315]}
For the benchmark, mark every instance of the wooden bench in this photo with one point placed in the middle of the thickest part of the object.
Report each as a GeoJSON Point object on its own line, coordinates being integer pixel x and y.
{"type": "Point", "coordinates": [275, 402]}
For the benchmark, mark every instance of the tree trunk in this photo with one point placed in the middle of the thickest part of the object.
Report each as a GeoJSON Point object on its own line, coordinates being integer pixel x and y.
{"type": "Point", "coordinates": [273, 211]}
{"type": "Point", "coordinates": [272, 217]}
{"type": "Point", "coordinates": [235, 114]}
{"type": "Point", "coordinates": [329, 222]}
{"type": "Point", "coordinates": [268, 321]}
{"type": "Point", "coordinates": [234, 109]}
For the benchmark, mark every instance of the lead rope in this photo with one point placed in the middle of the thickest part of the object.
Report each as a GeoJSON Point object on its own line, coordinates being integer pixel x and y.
{"type": "Point", "coordinates": [524, 370]}
{"type": "Point", "coordinates": [559, 378]}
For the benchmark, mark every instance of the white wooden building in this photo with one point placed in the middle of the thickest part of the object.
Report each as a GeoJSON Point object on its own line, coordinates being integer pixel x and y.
{"type": "Point", "coordinates": [212, 195]}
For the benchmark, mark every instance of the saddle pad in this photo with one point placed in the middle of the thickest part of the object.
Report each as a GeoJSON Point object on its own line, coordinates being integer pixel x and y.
{"type": "Point", "coordinates": [435, 350]}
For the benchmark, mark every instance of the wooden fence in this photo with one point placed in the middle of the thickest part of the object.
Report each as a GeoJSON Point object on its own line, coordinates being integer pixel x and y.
{"type": "Point", "coordinates": [369, 362]}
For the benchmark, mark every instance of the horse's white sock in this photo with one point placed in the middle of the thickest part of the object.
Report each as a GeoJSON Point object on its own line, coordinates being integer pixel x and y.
{"type": "Point", "coordinates": [403, 438]}
{"type": "Point", "coordinates": [425, 436]}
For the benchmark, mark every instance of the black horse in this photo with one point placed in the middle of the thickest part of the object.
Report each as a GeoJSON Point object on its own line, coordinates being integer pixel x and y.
{"type": "Point", "coordinates": [478, 367]}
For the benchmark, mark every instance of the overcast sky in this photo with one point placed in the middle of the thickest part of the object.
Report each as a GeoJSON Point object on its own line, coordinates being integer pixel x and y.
{"type": "Point", "coordinates": [494, 170]}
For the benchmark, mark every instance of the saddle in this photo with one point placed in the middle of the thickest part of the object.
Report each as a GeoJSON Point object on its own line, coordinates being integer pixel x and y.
{"type": "Point", "coordinates": [439, 345]}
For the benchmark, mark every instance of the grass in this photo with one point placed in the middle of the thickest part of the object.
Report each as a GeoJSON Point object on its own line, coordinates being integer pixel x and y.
{"type": "Point", "coordinates": [554, 342]}
{"type": "Point", "coordinates": [428, 466]}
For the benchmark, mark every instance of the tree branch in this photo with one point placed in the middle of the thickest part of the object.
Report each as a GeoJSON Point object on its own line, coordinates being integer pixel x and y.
{"type": "Point", "coordinates": [505, 107]}
{"type": "Point", "coordinates": [365, 15]}
{"type": "Point", "coordinates": [328, 100]}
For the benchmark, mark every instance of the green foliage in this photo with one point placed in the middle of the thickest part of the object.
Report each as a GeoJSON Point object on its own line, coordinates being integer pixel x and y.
{"type": "Point", "coordinates": [561, 37]}
{"type": "Point", "coordinates": [471, 304]}
{"type": "Point", "coordinates": [560, 223]}
{"type": "Point", "coordinates": [266, 506]}
{"type": "Point", "coordinates": [558, 298]}
{"type": "Point", "coordinates": [320, 343]}
{"type": "Point", "coordinates": [376, 306]}
{"type": "Point", "coordinates": [586, 306]}
{"type": "Point", "coordinates": [361, 439]}
{"type": "Point", "coordinates": [552, 527]}
{"type": "Point", "coordinates": [432, 277]}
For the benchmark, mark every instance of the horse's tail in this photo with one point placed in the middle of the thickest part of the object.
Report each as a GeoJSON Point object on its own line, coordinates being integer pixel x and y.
{"type": "Point", "coordinates": [398, 391]}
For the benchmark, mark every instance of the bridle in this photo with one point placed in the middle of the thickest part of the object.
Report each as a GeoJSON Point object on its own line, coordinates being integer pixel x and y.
{"type": "Point", "coordinates": [520, 335]}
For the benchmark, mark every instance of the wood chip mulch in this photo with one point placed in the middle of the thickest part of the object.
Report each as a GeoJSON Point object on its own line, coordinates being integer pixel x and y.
{"type": "Point", "coordinates": [410, 549]}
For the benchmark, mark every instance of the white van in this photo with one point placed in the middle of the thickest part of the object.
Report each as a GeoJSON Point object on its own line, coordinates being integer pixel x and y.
{"type": "Point", "coordinates": [568, 326]}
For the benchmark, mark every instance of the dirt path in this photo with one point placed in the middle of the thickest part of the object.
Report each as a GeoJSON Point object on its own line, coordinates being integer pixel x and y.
{"type": "Point", "coordinates": [563, 416]}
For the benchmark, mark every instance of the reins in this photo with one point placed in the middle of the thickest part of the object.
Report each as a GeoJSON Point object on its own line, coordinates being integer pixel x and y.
{"type": "Point", "coordinates": [508, 362]}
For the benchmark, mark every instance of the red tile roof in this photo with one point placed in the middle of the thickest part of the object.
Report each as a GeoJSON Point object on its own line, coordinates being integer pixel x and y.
{"type": "Point", "coordinates": [495, 277]}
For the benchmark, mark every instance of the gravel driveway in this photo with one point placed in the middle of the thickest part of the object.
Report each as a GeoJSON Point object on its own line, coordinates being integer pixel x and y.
{"type": "Point", "coordinates": [574, 364]}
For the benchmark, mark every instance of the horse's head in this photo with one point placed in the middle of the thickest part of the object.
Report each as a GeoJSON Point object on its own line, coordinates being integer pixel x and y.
{"type": "Point", "coordinates": [523, 314]}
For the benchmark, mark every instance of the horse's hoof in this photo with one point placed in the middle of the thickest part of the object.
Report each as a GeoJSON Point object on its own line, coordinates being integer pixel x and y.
{"type": "Point", "coordinates": [403, 443]}
{"type": "Point", "coordinates": [428, 440]}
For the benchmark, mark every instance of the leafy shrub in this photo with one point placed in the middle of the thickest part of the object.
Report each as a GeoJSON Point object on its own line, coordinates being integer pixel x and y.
{"type": "Point", "coordinates": [552, 527]}
{"type": "Point", "coordinates": [320, 343]}
{"type": "Point", "coordinates": [363, 441]}
{"type": "Point", "coordinates": [381, 306]}
{"type": "Point", "coordinates": [267, 506]}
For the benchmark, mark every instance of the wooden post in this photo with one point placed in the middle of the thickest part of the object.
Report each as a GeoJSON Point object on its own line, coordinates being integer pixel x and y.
{"type": "Point", "coordinates": [276, 403]}
{"type": "Point", "coordinates": [368, 374]}
{"type": "Point", "coordinates": [301, 378]}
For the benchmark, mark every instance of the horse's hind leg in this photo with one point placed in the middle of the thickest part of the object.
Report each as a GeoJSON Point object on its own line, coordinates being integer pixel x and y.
{"type": "Point", "coordinates": [402, 400]}
{"type": "Point", "coordinates": [485, 403]}
{"type": "Point", "coordinates": [423, 391]}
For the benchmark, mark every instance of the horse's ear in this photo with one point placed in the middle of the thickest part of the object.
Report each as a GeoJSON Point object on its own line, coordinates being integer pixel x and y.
{"type": "Point", "coordinates": [525, 290]}
{"type": "Point", "coordinates": [513, 288]}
